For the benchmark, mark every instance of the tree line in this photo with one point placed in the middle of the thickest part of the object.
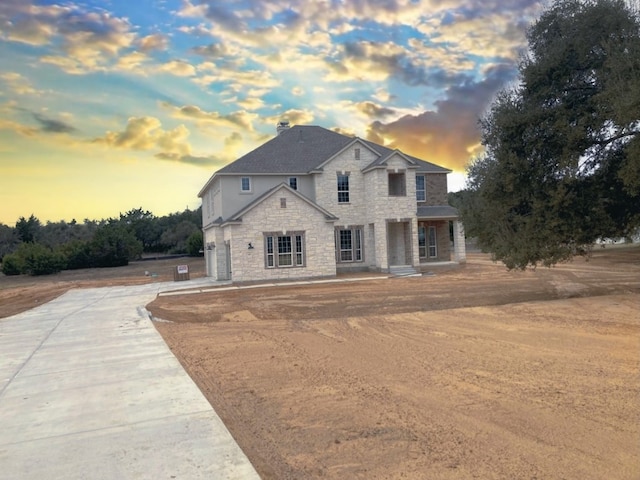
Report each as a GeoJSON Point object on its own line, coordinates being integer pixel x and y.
{"type": "Point", "coordinates": [34, 248]}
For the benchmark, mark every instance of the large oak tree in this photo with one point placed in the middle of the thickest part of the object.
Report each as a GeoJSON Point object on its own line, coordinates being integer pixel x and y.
{"type": "Point", "coordinates": [562, 148]}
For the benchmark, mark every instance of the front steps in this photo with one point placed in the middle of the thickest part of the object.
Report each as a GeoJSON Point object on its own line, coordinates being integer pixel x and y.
{"type": "Point", "coordinates": [403, 271]}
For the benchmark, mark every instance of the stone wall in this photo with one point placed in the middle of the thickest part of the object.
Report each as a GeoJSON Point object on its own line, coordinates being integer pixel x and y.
{"type": "Point", "coordinates": [436, 189]}
{"type": "Point", "coordinates": [269, 216]}
{"type": "Point", "coordinates": [443, 243]}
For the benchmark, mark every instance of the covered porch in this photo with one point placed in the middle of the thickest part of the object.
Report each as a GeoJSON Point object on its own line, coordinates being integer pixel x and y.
{"type": "Point", "coordinates": [440, 235]}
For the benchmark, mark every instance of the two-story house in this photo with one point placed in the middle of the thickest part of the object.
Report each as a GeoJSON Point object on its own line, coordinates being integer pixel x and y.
{"type": "Point", "coordinates": [313, 203]}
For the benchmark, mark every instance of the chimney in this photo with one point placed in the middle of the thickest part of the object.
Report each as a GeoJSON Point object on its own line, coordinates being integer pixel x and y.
{"type": "Point", "coordinates": [282, 126]}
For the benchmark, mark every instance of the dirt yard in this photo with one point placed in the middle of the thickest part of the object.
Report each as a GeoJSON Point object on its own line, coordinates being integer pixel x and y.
{"type": "Point", "coordinates": [470, 372]}
{"type": "Point", "coordinates": [467, 372]}
{"type": "Point", "coordinates": [20, 293]}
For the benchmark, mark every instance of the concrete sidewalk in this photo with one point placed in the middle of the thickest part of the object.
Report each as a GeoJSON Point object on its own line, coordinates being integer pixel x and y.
{"type": "Point", "coordinates": [89, 390]}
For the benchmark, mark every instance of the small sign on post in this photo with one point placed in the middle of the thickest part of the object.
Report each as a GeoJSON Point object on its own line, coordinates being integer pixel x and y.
{"type": "Point", "coordinates": [181, 272]}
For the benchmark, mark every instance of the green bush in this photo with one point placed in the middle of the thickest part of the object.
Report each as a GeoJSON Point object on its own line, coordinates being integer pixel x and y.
{"type": "Point", "coordinates": [76, 254]}
{"type": "Point", "coordinates": [113, 246]}
{"type": "Point", "coordinates": [40, 260]}
{"type": "Point", "coordinates": [195, 244]}
{"type": "Point", "coordinates": [12, 264]}
{"type": "Point", "coordinates": [32, 259]}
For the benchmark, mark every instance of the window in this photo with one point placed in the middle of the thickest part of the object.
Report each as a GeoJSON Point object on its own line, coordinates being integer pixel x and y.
{"type": "Point", "coordinates": [356, 153]}
{"type": "Point", "coordinates": [421, 188]}
{"type": "Point", "coordinates": [433, 251]}
{"type": "Point", "coordinates": [422, 241]}
{"type": "Point", "coordinates": [285, 257]}
{"type": "Point", "coordinates": [269, 252]}
{"type": "Point", "coordinates": [397, 187]}
{"type": "Point", "coordinates": [293, 182]}
{"type": "Point", "coordinates": [343, 188]}
{"type": "Point", "coordinates": [349, 244]}
{"type": "Point", "coordinates": [283, 251]}
{"type": "Point", "coordinates": [245, 184]}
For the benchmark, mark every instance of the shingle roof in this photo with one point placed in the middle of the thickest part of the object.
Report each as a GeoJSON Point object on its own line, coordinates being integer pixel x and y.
{"type": "Point", "coordinates": [302, 149]}
{"type": "Point", "coordinates": [437, 211]}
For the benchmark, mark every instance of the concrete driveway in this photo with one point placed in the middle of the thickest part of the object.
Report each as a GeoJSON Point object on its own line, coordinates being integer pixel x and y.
{"type": "Point", "coordinates": [89, 390]}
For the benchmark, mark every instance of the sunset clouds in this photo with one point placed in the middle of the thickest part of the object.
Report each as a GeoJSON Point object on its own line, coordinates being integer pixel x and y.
{"type": "Point", "coordinates": [196, 83]}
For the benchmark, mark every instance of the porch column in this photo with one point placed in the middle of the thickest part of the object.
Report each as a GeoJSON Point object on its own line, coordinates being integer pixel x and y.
{"type": "Point", "coordinates": [459, 249]}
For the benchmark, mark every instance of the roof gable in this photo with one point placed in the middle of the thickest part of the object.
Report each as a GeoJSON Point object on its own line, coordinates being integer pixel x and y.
{"type": "Point", "coordinates": [381, 161]}
{"type": "Point", "coordinates": [303, 149]}
{"type": "Point", "coordinates": [355, 140]}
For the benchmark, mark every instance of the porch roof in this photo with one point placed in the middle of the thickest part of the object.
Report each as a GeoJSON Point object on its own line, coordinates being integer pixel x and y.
{"type": "Point", "coordinates": [437, 212]}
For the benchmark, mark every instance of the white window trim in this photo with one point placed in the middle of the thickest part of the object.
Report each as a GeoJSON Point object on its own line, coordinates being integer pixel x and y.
{"type": "Point", "coordinates": [423, 190]}
{"type": "Point", "coordinates": [422, 247]}
{"type": "Point", "coordinates": [433, 246]}
{"type": "Point", "coordinates": [289, 182]}
{"type": "Point", "coordinates": [242, 190]}
{"type": "Point", "coordinates": [347, 190]}
{"type": "Point", "coordinates": [298, 251]}
{"type": "Point", "coordinates": [357, 240]}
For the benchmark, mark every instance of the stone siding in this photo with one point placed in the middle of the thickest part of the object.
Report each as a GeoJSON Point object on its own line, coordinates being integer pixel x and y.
{"type": "Point", "coordinates": [385, 219]}
{"type": "Point", "coordinates": [269, 216]}
{"type": "Point", "coordinates": [383, 208]}
{"type": "Point", "coordinates": [326, 185]}
{"type": "Point", "coordinates": [443, 242]}
{"type": "Point", "coordinates": [436, 189]}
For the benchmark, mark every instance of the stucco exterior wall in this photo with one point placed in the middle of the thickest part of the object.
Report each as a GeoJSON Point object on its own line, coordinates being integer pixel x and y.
{"type": "Point", "coordinates": [212, 203]}
{"type": "Point", "coordinates": [232, 199]}
{"type": "Point", "coordinates": [298, 216]}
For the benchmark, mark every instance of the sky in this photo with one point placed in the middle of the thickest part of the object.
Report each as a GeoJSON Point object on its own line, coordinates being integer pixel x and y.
{"type": "Point", "coordinates": [107, 106]}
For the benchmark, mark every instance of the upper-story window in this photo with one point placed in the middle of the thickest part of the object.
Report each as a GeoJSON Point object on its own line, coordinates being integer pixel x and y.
{"type": "Point", "coordinates": [421, 188]}
{"type": "Point", "coordinates": [245, 184]}
{"type": "Point", "coordinates": [293, 182]}
{"type": "Point", "coordinates": [343, 188]}
{"type": "Point", "coordinates": [397, 185]}
{"type": "Point", "coordinates": [356, 153]}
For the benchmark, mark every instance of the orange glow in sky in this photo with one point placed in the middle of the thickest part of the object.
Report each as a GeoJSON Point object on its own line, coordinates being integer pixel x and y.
{"type": "Point", "coordinates": [109, 106]}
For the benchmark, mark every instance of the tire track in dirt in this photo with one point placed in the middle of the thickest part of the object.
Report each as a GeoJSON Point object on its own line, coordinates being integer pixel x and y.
{"type": "Point", "coordinates": [352, 388]}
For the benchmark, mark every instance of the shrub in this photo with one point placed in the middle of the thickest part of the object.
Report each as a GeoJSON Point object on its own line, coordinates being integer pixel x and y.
{"type": "Point", "coordinates": [33, 259]}
{"type": "Point", "coordinates": [195, 244]}
{"type": "Point", "coordinates": [12, 264]}
{"type": "Point", "coordinates": [40, 260]}
{"type": "Point", "coordinates": [76, 254]}
{"type": "Point", "coordinates": [113, 246]}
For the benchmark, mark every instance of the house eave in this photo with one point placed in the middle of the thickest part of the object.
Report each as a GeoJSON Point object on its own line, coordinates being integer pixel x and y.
{"type": "Point", "coordinates": [232, 222]}
{"type": "Point", "coordinates": [437, 212]}
{"type": "Point", "coordinates": [434, 217]}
